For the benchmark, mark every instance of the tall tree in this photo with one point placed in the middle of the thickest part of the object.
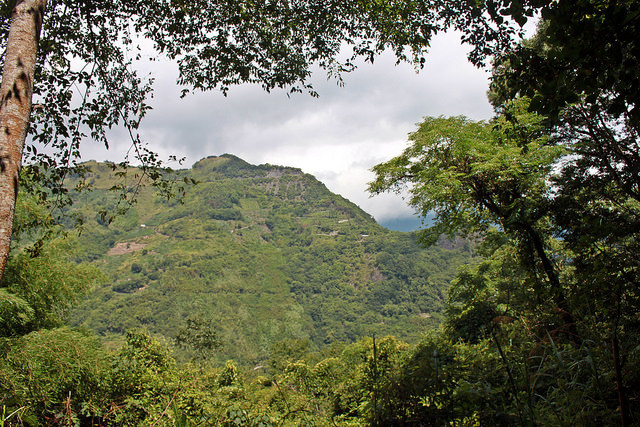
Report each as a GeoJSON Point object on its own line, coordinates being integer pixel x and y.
{"type": "Point", "coordinates": [557, 214]}
{"type": "Point", "coordinates": [583, 72]}
{"type": "Point", "coordinates": [475, 176]}
{"type": "Point", "coordinates": [15, 108]}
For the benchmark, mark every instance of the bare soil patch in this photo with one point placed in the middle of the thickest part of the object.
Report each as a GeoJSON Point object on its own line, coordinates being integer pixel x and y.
{"type": "Point", "coordinates": [125, 248]}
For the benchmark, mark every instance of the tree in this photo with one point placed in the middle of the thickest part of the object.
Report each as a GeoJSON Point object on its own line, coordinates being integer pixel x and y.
{"type": "Point", "coordinates": [581, 69]}
{"type": "Point", "coordinates": [36, 293]}
{"type": "Point", "coordinates": [200, 335]}
{"type": "Point", "coordinates": [475, 176]}
{"type": "Point", "coordinates": [58, 375]}
{"type": "Point", "coordinates": [15, 107]}
{"type": "Point", "coordinates": [558, 232]}
{"type": "Point", "coordinates": [584, 51]}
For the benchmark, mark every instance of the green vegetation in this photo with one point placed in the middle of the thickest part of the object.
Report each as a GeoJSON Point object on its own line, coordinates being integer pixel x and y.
{"type": "Point", "coordinates": [263, 264]}
{"type": "Point", "coordinates": [277, 287]}
{"type": "Point", "coordinates": [554, 201]}
{"type": "Point", "coordinates": [505, 355]}
{"type": "Point", "coordinates": [266, 254]}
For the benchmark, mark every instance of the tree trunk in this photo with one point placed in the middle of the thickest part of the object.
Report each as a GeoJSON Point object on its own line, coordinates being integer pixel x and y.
{"type": "Point", "coordinates": [15, 108]}
{"type": "Point", "coordinates": [554, 282]}
{"type": "Point", "coordinates": [622, 398]}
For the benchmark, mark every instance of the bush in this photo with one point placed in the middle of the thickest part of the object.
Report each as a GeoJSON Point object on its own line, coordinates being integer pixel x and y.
{"type": "Point", "coordinates": [126, 287]}
{"type": "Point", "coordinates": [56, 374]}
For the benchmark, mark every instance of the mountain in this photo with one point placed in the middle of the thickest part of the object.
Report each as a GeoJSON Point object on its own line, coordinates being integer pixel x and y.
{"type": "Point", "coordinates": [266, 253]}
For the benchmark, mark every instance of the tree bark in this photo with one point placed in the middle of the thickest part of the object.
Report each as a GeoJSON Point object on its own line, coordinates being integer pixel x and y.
{"type": "Point", "coordinates": [16, 91]}
{"type": "Point", "coordinates": [622, 398]}
{"type": "Point", "coordinates": [554, 283]}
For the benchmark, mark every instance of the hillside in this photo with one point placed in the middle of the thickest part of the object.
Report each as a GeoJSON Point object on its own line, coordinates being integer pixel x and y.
{"type": "Point", "coordinates": [266, 252]}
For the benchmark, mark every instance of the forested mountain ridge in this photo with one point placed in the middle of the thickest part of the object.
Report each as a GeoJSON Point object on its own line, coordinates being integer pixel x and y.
{"type": "Point", "coordinates": [266, 253]}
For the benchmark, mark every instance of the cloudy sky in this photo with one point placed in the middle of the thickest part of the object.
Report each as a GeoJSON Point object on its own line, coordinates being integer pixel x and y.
{"type": "Point", "coordinates": [338, 137]}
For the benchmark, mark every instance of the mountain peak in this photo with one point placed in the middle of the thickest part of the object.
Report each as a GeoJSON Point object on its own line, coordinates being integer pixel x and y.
{"type": "Point", "coordinates": [233, 166]}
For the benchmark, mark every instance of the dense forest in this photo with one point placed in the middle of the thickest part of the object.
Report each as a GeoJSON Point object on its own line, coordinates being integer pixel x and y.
{"type": "Point", "coordinates": [541, 202]}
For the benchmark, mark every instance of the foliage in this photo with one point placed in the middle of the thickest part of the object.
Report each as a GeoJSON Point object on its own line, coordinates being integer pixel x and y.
{"type": "Point", "coordinates": [56, 374]}
{"type": "Point", "coordinates": [199, 333]}
{"type": "Point", "coordinates": [142, 375]}
{"type": "Point", "coordinates": [566, 224]}
{"type": "Point", "coordinates": [557, 218]}
{"type": "Point", "coordinates": [476, 176]}
{"type": "Point", "coordinates": [38, 292]}
{"type": "Point", "coordinates": [299, 263]}
{"type": "Point", "coordinates": [499, 167]}
{"type": "Point", "coordinates": [585, 51]}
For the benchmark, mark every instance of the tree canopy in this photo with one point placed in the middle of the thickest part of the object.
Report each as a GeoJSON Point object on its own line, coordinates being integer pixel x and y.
{"type": "Point", "coordinates": [551, 189]}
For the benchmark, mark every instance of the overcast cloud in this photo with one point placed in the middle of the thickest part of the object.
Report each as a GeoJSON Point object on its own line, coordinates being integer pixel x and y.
{"type": "Point", "coordinates": [338, 137]}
